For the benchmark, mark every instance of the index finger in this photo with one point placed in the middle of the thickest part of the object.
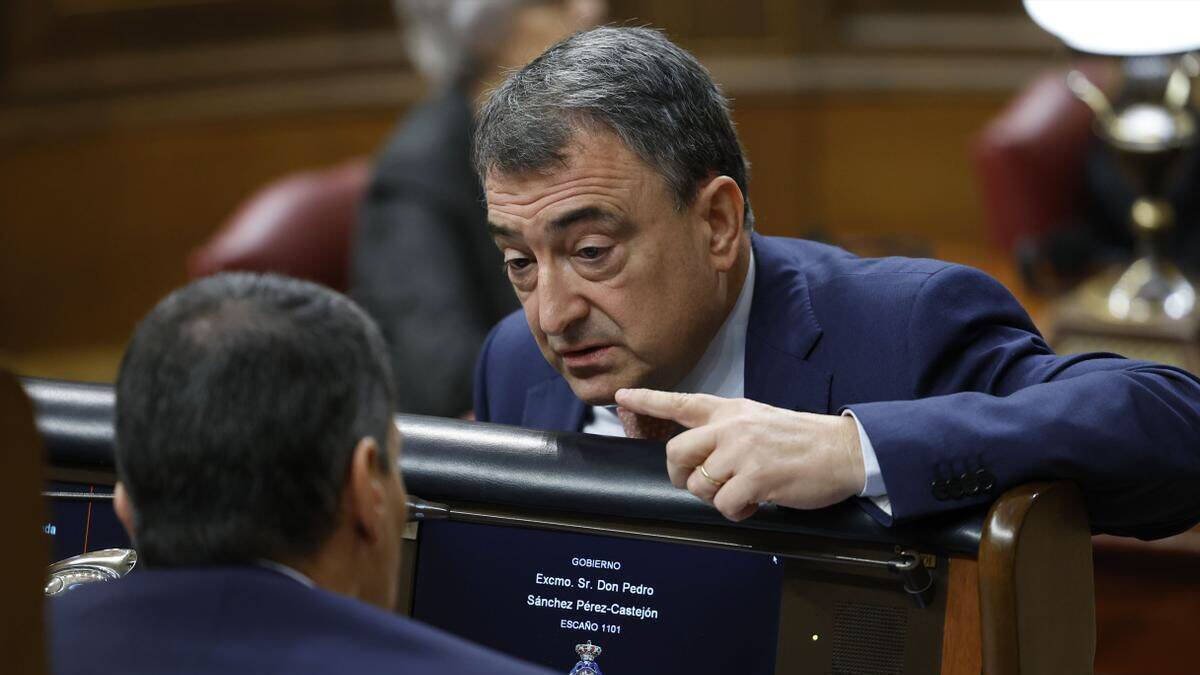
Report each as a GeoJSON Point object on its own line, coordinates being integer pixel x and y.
{"type": "Point", "coordinates": [690, 410]}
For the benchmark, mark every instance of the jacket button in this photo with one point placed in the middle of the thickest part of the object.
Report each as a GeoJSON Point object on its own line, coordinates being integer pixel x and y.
{"type": "Point", "coordinates": [987, 482]}
{"type": "Point", "coordinates": [956, 488]}
{"type": "Point", "coordinates": [970, 484]}
{"type": "Point", "coordinates": [941, 490]}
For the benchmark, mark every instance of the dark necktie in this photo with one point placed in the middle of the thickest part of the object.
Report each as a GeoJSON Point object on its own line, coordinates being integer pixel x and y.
{"type": "Point", "coordinates": [645, 426]}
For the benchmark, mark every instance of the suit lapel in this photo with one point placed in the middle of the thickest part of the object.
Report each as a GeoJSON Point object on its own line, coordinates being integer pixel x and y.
{"type": "Point", "coordinates": [784, 381]}
{"type": "Point", "coordinates": [783, 331]}
{"type": "Point", "coordinates": [552, 406]}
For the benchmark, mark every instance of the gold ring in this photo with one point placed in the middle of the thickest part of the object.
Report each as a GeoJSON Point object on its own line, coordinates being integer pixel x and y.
{"type": "Point", "coordinates": [714, 481]}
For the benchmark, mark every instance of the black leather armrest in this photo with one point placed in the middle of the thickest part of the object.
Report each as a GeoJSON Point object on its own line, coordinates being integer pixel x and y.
{"type": "Point", "coordinates": [76, 422]}
{"type": "Point", "coordinates": [459, 461]}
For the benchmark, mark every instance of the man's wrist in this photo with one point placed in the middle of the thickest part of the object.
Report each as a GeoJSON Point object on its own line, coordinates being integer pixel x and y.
{"type": "Point", "coordinates": [855, 465]}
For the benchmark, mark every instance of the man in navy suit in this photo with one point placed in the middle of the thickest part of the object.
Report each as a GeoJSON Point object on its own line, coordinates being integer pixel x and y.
{"type": "Point", "coordinates": [257, 461]}
{"type": "Point", "coordinates": [617, 192]}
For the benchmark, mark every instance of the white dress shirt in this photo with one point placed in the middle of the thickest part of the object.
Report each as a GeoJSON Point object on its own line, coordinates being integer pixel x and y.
{"type": "Point", "coordinates": [721, 371]}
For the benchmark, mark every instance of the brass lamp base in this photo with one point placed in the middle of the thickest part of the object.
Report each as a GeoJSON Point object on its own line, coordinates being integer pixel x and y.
{"type": "Point", "coordinates": [1085, 321]}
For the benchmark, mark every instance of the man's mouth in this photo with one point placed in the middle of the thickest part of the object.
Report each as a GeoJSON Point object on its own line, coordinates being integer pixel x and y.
{"type": "Point", "coordinates": [585, 357]}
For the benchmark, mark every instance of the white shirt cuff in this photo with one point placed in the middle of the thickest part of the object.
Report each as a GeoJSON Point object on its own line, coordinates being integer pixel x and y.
{"type": "Point", "coordinates": [873, 486]}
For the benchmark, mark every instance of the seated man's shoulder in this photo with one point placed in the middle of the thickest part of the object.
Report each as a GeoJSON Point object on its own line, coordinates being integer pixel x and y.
{"type": "Point", "coordinates": [832, 271]}
{"type": "Point", "coordinates": [512, 334]}
{"type": "Point", "coordinates": [510, 364]}
{"type": "Point", "coordinates": [823, 263]}
{"type": "Point", "coordinates": [375, 639]}
{"type": "Point", "coordinates": [513, 355]}
{"type": "Point", "coordinates": [854, 295]}
{"type": "Point", "coordinates": [246, 622]}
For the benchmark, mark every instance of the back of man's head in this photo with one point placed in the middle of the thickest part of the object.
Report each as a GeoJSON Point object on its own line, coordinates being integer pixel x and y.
{"type": "Point", "coordinates": [240, 402]}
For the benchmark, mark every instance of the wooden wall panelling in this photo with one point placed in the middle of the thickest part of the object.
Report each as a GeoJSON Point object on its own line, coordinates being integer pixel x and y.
{"type": "Point", "coordinates": [751, 26]}
{"type": "Point", "coordinates": [865, 163]}
{"type": "Point", "coordinates": [97, 224]}
{"type": "Point", "coordinates": [47, 31]}
{"type": "Point", "coordinates": [97, 227]}
{"type": "Point", "coordinates": [783, 140]}
{"type": "Point", "coordinates": [898, 163]}
{"type": "Point", "coordinates": [929, 6]}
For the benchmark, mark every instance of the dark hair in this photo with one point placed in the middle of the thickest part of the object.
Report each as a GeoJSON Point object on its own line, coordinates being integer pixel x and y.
{"type": "Point", "coordinates": [240, 400]}
{"type": "Point", "coordinates": [655, 96]}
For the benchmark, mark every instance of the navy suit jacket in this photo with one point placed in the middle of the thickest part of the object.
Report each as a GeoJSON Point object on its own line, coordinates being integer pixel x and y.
{"type": "Point", "coordinates": [233, 620]}
{"type": "Point", "coordinates": [951, 381]}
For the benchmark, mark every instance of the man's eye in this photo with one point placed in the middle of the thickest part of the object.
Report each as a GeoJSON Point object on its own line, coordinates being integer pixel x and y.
{"type": "Point", "coordinates": [591, 252]}
{"type": "Point", "coordinates": [517, 264]}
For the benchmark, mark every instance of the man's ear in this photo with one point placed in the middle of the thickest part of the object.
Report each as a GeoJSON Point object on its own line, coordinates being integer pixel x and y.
{"type": "Point", "coordinates": [125, 512]}
{"type": "Point", "coordinates": [365, 494]}
{"type": "Point", "coordinates": [721, 204]}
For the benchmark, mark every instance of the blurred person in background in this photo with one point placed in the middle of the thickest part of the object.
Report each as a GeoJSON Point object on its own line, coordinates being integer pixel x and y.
{"type": "Point", "coordinates": [423, 264]}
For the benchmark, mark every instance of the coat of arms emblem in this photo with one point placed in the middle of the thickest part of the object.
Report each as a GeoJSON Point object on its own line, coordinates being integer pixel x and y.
{"type": "Point", "coordinates": [587, 659]}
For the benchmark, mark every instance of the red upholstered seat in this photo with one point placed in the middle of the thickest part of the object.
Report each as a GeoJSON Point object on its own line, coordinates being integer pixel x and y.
{"type": "Point", "coordinates": [1029, 160]}
{"type": "Point", "coordinates": [300, 225]}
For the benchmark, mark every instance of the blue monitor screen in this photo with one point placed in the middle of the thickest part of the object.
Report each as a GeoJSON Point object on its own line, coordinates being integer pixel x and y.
{"type": "Point", "coordinates": [650, 607]}
{"type": "Point", "coordinates": [77, 525]}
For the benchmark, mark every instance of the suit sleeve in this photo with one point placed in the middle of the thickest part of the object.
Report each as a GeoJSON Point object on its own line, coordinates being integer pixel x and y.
{"type": "Point", "coordinates": [994, 407]}
{"type": "Point", "coordinates": [412, 276]}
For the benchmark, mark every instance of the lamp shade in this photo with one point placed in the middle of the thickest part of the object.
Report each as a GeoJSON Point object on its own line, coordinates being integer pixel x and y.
{"type": "Point", "coordinates": [1121, 27]}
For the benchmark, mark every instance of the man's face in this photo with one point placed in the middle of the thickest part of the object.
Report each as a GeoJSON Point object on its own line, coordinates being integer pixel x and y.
{"type": "Point", "coordinates": [616, 282]}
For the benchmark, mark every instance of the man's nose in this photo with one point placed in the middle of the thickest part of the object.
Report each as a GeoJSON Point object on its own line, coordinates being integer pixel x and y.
{"type": "Point", "coordinates": [559, 302]}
